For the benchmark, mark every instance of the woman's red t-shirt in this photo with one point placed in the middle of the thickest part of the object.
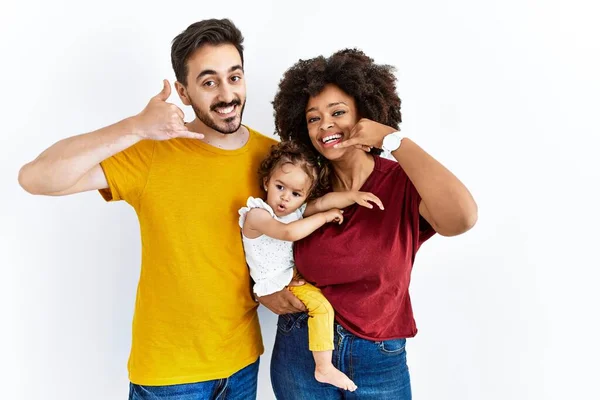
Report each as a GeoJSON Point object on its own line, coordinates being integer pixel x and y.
{"type": "Point", "coordinates": [363, 266]}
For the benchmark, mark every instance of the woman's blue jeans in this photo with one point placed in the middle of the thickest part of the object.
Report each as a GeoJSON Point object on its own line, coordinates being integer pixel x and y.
{"type": "Point", "coordinates": [379, 369]}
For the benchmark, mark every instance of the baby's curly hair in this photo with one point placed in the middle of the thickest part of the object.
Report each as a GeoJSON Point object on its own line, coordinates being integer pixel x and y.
{"type": "Point", "coordinates": [293, 152]}
{"type": "Point", "coordinates": [372, 86]}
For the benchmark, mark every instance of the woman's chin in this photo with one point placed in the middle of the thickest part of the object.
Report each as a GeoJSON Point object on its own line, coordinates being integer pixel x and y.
{"type": "Point", "coordinates": [337, 154]}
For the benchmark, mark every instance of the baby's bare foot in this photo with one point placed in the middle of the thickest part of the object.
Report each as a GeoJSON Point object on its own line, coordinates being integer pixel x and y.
{"type": "Point", "coordinates": [333, 376]}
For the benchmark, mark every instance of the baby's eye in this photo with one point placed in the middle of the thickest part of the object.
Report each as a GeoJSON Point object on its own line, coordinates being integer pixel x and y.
{"type": "Point", "coordinates": [279, 187]}
{"type": "Point", "coordinates": [297, 194]}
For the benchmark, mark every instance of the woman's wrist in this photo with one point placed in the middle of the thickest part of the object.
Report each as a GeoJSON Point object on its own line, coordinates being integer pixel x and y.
{"type": "Point", "coordinates": [406, 145]}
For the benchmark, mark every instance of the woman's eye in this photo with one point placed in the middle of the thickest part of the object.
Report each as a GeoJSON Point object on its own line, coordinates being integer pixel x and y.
{"type": "Point", "coordinates": [338, 113]}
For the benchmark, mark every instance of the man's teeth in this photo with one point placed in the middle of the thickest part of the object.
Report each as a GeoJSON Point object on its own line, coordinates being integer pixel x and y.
{"type": "Point", "coordinates": [225, 110]}
{"type": "Point", "coordinates": [331, 138]}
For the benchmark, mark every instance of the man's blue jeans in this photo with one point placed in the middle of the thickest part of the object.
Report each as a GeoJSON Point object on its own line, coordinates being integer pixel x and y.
{"type": "Point", "coordinates": [378, 368]}
{"type": "Point", "coordinates": [239, 386]}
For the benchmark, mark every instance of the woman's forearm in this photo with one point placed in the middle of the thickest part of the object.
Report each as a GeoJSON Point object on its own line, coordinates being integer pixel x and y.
{"type": "Point", "coordinates": [446, 203]}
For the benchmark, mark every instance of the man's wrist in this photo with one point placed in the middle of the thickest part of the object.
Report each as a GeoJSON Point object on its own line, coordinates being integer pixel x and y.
{"type": "Point", "coordinates": [133, 126]}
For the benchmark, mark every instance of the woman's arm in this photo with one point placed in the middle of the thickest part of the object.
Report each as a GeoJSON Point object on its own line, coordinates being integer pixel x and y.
{"type": "Point", "coordinates": [445, 202]}
{"type": "Point", "coordinates": [260, 222]}
{"type": "Point", "coordinates": [341, 200]}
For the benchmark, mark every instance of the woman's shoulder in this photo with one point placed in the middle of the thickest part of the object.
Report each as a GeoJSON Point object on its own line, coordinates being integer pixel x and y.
{"type": "Point", "coordinates": [389, 173]}
{"type": "Point", "coordinates": [387, 165]}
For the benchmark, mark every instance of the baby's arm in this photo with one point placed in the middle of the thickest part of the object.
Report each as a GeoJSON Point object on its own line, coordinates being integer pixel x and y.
{"type": "Point", "coordinates": [260, 222]}
{"type": "Point", "coordinates": [341, 200]}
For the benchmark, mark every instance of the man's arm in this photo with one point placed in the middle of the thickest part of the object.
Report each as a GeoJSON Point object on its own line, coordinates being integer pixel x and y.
{"type": "Point", "coordinates": [72, 165]}
{"type": "Point", "coordinates": [341, 200]}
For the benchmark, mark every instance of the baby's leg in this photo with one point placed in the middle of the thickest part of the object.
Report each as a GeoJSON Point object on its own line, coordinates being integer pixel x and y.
{"type": "Point", "coordinates": [320, 336]}
{"type": "Point", "coordinates": [326, 372]}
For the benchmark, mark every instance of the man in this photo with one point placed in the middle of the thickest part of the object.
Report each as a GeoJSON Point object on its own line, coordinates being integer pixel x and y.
{"type": "Point", "coordinates": [195, 327]}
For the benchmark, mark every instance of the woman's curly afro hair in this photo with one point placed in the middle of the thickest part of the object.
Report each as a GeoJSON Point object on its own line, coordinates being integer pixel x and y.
{"type": "Point", "coordinates": [372, 86]}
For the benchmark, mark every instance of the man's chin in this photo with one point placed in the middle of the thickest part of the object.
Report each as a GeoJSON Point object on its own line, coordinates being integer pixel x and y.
{"type": "Point", "coordinates": [228, 127]}
{"type": "Point", "coordinates": [223, 126]}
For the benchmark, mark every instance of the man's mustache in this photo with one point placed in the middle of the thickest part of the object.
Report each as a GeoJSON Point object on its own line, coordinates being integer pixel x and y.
{"type": "Point", "coordinates": [235, 102]}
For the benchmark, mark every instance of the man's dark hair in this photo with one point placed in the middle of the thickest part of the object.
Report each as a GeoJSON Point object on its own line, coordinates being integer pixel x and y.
{"type": "Point", "coordinates": [208, 31]}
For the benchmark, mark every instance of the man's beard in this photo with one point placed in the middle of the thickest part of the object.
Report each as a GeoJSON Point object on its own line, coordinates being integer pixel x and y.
{"type": "Point", "coordinates": [226, 126]}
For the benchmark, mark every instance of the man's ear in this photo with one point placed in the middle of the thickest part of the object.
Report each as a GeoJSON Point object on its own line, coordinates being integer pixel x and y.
{"type": "Point", "coordinates": [183, 94]}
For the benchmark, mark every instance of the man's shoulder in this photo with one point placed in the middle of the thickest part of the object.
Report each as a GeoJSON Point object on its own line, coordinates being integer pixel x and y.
{"type": "Point", "coordinates": [262, 140]}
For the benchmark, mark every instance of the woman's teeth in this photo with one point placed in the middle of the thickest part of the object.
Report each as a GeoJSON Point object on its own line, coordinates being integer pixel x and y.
{"type": "Point", "coordinates": [331, 138]}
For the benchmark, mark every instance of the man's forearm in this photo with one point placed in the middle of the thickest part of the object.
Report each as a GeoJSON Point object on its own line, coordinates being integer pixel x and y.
{"type": "Point", "coordinates": [62, 165]}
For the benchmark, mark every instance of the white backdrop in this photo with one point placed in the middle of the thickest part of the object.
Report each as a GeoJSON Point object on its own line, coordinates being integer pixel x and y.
{"type": "Point", "coordinates": [503, 93]}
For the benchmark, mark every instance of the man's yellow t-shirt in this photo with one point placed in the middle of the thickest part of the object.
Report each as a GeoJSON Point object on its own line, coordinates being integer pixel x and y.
{"type": "Point", "coordinates": [195, 318]}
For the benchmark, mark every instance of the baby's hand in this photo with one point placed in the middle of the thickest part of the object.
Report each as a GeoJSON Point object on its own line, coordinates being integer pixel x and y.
{"type": "Point", "coordinates": [365, 199]}
{"type": "Point", "coordinates": [334, 215]}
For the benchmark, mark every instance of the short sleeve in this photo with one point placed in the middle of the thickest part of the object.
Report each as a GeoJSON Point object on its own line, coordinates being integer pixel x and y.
{"type": "Point", "coordinates": [300, 210]}
{"type": "Point", "coordinates": [412, 199]}
{"type": "Point", "coordinates": [127, 172]}
{"type": "Point", "coordinates": [251, 203]}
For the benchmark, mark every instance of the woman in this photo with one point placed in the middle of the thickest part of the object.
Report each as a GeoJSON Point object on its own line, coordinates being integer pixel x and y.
{"type": "Point", "coordinates": [346, 109]}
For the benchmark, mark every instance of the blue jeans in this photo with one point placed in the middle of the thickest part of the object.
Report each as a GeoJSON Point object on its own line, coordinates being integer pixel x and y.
{"type": "Point", "coordinates": [239, 386]}
{"type": "Point", "coordinates": [378, 368]}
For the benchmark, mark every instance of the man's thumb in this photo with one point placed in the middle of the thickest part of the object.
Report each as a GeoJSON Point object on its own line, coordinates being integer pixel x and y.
{"type": "Point", "coordinates": [165, 92]}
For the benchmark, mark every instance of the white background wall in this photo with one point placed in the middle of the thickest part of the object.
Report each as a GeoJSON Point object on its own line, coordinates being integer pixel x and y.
{"type": "Point", "coordinates": [503, 93]}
